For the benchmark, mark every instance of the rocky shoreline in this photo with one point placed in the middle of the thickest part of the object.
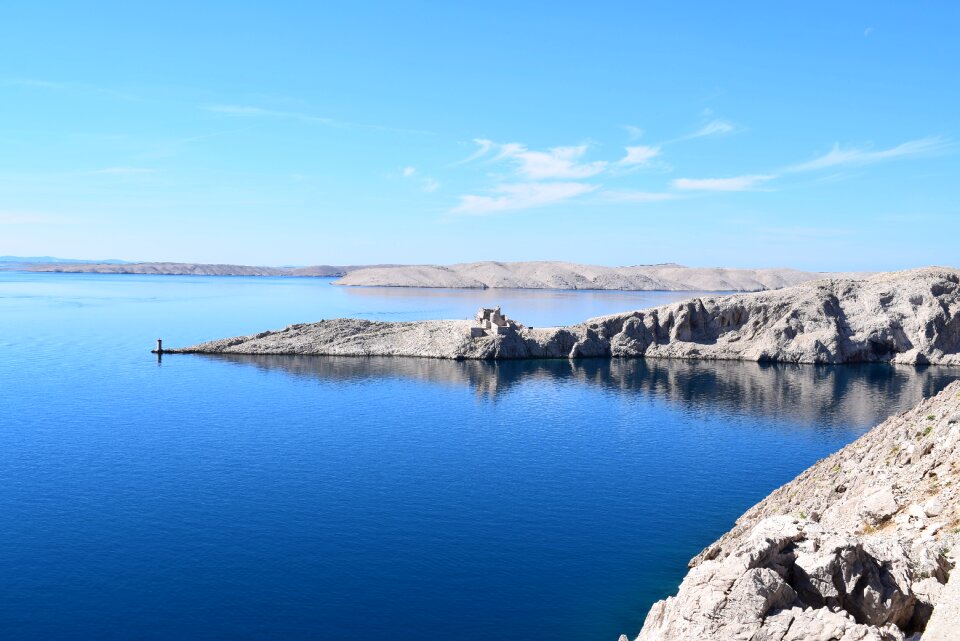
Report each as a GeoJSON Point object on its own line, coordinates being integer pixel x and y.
{"type": "Point", "coordinates": [859, 547]}
{"type": "Point", "coordinates": [908, 317]}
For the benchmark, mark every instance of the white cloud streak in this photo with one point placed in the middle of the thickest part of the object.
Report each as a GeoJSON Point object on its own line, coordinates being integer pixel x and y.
{"type": "Point", "coordinates": [484, 147]}
{"type": "Point", "coordinates": [736, 183]}
{"type": "Point", "coordinates": [518, 196]}
{"type": "Point", "coordinates": [555, 163]}
{"type": "Point", "coordinates": [838, 156]}
{"type": "Point", "coordinates": [714, 128]}
{"type": "Point", "coordinates": [639, 155]}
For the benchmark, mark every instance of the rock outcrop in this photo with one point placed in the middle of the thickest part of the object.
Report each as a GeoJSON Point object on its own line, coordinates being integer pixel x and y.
{"type": "Point", "coordinates": [561, 275]}
{"type": "Point", "coordinates": [858, 547]}
{"type": "Point", "coordinates": [909, 317]}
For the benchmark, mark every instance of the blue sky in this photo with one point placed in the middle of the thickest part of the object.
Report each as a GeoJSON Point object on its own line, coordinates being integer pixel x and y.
{"type": "Point", "coordinates": [820, 135]}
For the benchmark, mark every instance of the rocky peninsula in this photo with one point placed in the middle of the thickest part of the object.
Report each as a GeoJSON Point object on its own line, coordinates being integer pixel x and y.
{"type": "Point", "coordinates": [562, 275]}
{"type": "Point", "coordinates": [908, 317]}
{"type": "Point", "coordinates": [860, 547]}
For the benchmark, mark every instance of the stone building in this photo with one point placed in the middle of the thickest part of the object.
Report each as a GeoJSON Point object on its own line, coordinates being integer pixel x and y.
{"type": "Point", "coordinates": [491, 321]}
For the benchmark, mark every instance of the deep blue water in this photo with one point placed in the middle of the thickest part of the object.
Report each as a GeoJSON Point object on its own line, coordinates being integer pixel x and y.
{"type": "Point", "coordinates": [286, 498]}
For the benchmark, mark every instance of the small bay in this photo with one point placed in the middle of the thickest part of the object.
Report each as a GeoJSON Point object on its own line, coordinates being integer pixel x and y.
{"type": "Point", "coordinates": [300, 498]}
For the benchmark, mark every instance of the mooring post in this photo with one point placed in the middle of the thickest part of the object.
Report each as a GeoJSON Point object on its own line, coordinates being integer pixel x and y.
{"type": "Point", "coordinates": [159, 346]}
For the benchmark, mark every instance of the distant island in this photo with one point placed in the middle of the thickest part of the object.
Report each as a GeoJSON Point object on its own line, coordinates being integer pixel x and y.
{"type": "Point", "coordinates": [563, 275]}
{"type": "Point", "coordinates": [189, 269]}
{"type": "Point", "coordinates": [481, 275]}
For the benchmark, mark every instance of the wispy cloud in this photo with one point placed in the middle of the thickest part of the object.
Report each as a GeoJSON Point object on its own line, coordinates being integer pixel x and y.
{"type": "Point", "coordinates": [639, 155]}
{"type": "Point", "coordinates": [555, 163]}
{"type": "Point", "coordinates": [736, 183]}
{"type": "Point", "coordinates": [713, 128]}
{"type": "Point", "coordinates": [430, 185]}
{"type": "Point", "coordinates": [717, 127]}
{"type": "Point", "coordinates": [519, 196]}
{"type": "Point", "coordinates": [633, 132]}
{"type": "Point", "coordinates": [483, 148]}
{"type": "Point", "coordinates": [409, 171]}
{"type": "Point", "coordinates": [839, 156]}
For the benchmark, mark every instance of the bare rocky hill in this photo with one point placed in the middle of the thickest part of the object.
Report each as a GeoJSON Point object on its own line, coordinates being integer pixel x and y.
{"type": "Point", "coordinates": [909, 317]}
{"type": "Point", "coordinates": [858, 547]}
{"type": "Point", "coordinates": [560, 275]}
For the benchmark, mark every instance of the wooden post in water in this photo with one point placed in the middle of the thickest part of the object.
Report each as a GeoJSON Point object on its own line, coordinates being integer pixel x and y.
{"type": "Point", "coordinates": [159, 346]}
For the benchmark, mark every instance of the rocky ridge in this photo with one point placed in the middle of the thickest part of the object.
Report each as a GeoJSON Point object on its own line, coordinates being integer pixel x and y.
{"type": "Point", "coordinates": [856, 548]}
{"type": "Point", "coordinates": [562, 275]}
{"type": "Point", "coordinates": [908, 317]}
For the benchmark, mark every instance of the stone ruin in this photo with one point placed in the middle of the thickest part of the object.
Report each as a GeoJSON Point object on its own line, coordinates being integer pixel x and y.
{"type": "Point", "coordinates": [492, 322]}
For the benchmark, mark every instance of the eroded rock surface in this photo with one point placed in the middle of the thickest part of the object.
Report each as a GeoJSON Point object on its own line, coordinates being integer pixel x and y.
{"type": "Point", "coordinates": [910, 317]}
{"type": "Point", "coordinates": [858, 547]}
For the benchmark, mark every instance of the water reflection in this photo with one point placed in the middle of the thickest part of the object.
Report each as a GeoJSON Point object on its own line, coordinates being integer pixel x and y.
{"type": "Point", "coordinates": [849, 394]}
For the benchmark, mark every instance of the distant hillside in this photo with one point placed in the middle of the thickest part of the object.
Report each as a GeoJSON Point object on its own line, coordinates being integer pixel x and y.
{"type": "Point", "coordinates": [561, 275]}
{"type": "Point", "coordinates": [192, 269]}
{"type": "Point", "coordinates": [480, 275]}
{"type": "Point", "coordinates": [29, 260]}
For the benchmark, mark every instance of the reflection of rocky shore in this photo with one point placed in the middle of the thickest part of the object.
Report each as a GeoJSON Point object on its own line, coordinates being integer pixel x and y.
{"type": "Point", "coordinates": [860, 394]}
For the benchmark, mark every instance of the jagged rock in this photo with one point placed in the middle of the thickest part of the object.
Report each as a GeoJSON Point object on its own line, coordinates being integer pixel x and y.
{"type": "Point", "coordinates": [835, 577]}
{"type": "Point", "coordinates": [902, 317]}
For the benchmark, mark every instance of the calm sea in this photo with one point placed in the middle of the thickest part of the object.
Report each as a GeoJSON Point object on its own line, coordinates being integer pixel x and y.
{"type": "Point", "coordinates": [292, 498]}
